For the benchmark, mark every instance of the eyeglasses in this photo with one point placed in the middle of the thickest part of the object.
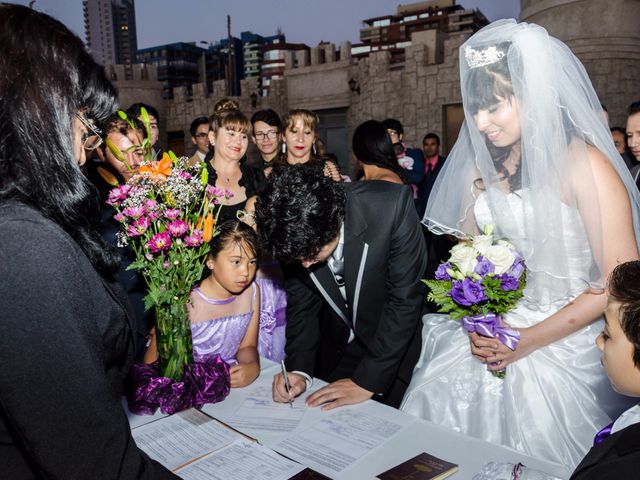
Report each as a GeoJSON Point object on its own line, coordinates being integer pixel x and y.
{"type": "Point", "coordinates": [201, 135]}
{"type": "Point", "coordinates": [246, 217]}
{"type": "Point", "coordinates": [262, 136]}
{"type": "Point", "coordinates": [93, 138]}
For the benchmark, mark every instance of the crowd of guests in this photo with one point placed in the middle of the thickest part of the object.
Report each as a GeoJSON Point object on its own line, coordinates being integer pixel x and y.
{"type": "Point", "coordinates": [318, 269]}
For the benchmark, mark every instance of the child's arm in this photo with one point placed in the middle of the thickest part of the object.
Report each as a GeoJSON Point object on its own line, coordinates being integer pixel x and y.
{"type": "Point", "coordinates": [248, 367]}
{"type": "Point", "coordinates": [151, 355]}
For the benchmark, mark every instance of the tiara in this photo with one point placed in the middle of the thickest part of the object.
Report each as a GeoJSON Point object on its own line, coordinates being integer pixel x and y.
{"type": "Point", "coordinates": [480, 58]}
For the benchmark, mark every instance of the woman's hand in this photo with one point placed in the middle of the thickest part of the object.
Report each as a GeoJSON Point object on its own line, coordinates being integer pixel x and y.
{"type": "Point", "coordinates": [496, 354]}
{"type": "Point", "coordinates": [243, 374]}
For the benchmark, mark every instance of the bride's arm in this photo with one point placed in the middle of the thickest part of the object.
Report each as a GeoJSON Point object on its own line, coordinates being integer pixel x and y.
{"type": "Point", "coordinates": [606, 212]}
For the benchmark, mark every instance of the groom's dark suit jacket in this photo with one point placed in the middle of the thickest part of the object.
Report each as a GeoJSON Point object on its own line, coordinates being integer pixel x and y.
{"type": "Point", "coordinates": [384, 257]}
{"type": "Point", "coordinates": [617, 457]}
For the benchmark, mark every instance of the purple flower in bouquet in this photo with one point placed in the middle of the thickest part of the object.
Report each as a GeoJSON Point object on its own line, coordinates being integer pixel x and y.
{"type": "Point", "coordinates": [134, 212]}
{"type": "Point", "coordinates": [518, 268]}
{"type": "Point", "coordinates": [213, 191]}
{"type": "Point", "coordinates": [138, 227]}
{"type": "Point", "coordinates": [118, 194]}
{"type": "Point", "coordinates": [193, 240]}
{"type": "Point", "coordinates": [119, 217]}
{"type": "Point", "coordinates": [468, 292]}
{"type": "Point", "coordinates": [484, 267]}
{"type": "Point", "coordinates": [159, 242]}
{"type": "Point", "coordinates": [441, 272]}
{"type": "Point", "coordinates": [178, 228]}
{"type": "Point", "coordinates": [508, 283]}
{"type": "Point", "coordinates": [153, 215]}
{"type": "Point", "coordinates": [171, 213]}
{"type": "Point", "coordinates": [184, 175]}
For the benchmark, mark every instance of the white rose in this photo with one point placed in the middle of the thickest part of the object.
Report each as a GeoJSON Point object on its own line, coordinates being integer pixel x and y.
{"type": "Point", "coordinates": [464, 257]}
{"type": "Point", "coordinates": [501, 256]}
{"type": "Point", "coordinates": [482, 242]}
{"type": "Point", "coordinates": [504, 243]}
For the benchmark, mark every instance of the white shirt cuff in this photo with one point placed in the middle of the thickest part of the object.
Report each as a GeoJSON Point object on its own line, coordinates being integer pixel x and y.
{"type": "Point", "coordinates": [307, 378]}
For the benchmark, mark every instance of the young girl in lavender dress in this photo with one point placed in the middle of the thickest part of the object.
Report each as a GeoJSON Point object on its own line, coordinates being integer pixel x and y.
{"type": "Point", "coordinates": [225, 307]}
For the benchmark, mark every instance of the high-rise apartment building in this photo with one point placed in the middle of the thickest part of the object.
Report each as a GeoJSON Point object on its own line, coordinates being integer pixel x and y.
{"type": "Point", "coordinates": [110, 28]}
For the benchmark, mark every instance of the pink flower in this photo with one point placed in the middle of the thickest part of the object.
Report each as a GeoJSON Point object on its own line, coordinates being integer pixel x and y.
{"type": "Point", "coordinates": [183, 174]}
{"type": "Point", "coordinates": [134, 212]}
{"type": "Point", "coordinates": [228, 194]}
{"type": "Point", "coordinates": [159, 242]}
{"type": "Point", "coordinates": [118, 194]}
{"type": "Point", "coordinates": [193, 240]}
{"type": "Point", "coordinates": [172, 213]}
{"type": "Point", "coordinates": [178, 228]}
{"type": "Point", "coordinates": [213, 191]}
{"type": "Point", "coordinates": [166, 264]}
{"type": "Point", "coordinates": [150, 204]}
{"type": "Point", "coordinates": [119, 217]}
{"type": "Point", "coordinates": [138, 227]}
{"type": "Point", "coordinates": [148, 256]}
{"type": "Point", "coordinates": [153, 216]}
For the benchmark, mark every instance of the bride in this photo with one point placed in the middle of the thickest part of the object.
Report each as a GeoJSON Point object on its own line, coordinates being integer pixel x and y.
{"type": "Point", "coordinates": [535, 160]}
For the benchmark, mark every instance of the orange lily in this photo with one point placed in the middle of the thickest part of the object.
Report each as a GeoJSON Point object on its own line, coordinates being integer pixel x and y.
{"type": "Point", "coordinates": [207, 233]}
{"type": "Point", "coordinates": [163, 167]}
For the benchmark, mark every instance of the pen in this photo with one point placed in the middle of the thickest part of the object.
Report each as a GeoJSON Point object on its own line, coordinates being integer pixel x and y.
{"type": "Point", "coordinates": [287, 385]}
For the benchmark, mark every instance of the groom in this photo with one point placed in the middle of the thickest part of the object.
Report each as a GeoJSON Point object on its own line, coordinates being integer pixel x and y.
{"type": "Point", "coordinates": [355, 254]}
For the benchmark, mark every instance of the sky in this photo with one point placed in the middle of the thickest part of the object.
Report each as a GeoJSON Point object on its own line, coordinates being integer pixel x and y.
{"type": "Point", "coordinates": [302, 21]}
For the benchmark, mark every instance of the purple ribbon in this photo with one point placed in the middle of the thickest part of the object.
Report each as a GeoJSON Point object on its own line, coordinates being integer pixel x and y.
{"type": "Point", "coordinates": [490, 325]}
{"type": "Point", "coordinates": [204, 382]}
{"type": "Point", "coordinates": [602, 434]}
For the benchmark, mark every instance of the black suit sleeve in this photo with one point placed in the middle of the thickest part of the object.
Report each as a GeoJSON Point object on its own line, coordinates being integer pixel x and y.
{"type": "Point", "coordinates": [404, 297]}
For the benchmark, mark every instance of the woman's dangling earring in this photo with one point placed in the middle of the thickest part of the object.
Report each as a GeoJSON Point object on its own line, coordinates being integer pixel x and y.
{"type": "Point", "coordinates": [284, 147]}
{"type": "Point", "coordinates": [314, 149]}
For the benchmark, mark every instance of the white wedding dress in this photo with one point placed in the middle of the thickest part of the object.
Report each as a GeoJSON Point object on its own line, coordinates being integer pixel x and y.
{"type": "Point", "coordinates": [551, 403]}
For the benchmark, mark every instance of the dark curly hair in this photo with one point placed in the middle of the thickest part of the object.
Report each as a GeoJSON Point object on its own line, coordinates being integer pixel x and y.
{"type": "Point", "coordinates": [624, 287]}
{"type": "Point", "coordinates": [299, 212]}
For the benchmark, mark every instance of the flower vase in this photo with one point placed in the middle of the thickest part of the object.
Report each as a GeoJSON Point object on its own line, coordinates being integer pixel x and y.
{"type": "Point", "coordinates": [173, 337]}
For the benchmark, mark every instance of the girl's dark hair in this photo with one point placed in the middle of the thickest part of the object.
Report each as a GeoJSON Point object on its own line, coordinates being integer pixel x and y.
{"type": "Point", "coordinates": [486, 86]}
{"type": "Point", "coordinates": [624, 287]}
{"type": "Point", "coordinates": [46, 77]}
{"type": "Point", "coordinates": [233, 231]}
{"type": "Point", "coordinates": [371, 145]}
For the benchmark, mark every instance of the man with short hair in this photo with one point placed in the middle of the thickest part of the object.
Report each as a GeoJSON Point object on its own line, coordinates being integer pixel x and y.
{"type": "Point", "coordinates": [354, 295]}
{"type": "Point", "coordinates": [134, 111]}
{"type": "Point", "coordinates": [200, 138]}
{"type": "Point", "coordinates": [619, 136]}
{"type": "Point", "coordinates": [267, 135]}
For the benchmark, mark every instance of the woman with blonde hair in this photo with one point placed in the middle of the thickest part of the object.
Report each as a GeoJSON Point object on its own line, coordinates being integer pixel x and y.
{"type": "Point", "coordinates": [300, 134]}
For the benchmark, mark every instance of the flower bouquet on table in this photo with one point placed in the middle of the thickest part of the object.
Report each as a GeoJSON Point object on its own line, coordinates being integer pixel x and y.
{"type": "Point", "coordinates": [482, 280]}
{"type": "Point", "coordinates": [166, 213]}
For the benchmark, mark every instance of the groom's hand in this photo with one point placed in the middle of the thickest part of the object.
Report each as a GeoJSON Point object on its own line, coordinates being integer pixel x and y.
{"type": "Point", "coordinates": [339, 393]}
{"type": "Point", "coordinates": [297, 383]}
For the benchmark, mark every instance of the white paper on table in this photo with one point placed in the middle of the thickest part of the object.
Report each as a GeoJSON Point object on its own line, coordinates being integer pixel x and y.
{"type": "Point", "coordinates": [344, 435]}
{"type": "Point", "coordinates": [179, 438]}
{"type": "Point", "coordinates": [241, 460]}
{"type": "Point", "coordinates": [258, 411]}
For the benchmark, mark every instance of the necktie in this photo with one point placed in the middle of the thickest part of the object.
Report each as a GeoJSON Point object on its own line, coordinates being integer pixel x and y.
{"type": "Point", "coordinates": [602, 434]}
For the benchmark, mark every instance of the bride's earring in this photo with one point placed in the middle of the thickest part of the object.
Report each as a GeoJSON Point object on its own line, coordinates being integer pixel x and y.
{"type": "Point", "coordinates": [284, 147]}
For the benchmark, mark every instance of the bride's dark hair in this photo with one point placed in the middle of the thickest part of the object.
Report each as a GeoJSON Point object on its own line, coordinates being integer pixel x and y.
{"type": "Point", "coordinates": [486, 86]}
{"type": "Point", "coordinates": [46, 77]}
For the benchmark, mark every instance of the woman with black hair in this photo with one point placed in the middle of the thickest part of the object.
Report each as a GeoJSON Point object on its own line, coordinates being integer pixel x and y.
{"type": "Point", "coordinates": [373, 149]}
{"type": "Point", "coordinates": [66, 339]}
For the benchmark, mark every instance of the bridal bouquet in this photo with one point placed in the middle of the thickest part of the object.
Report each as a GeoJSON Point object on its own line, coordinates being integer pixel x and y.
{"type": "Point", "coordinates": [166, 213]}
{"type": "Point", "coordinates": [482, 280]}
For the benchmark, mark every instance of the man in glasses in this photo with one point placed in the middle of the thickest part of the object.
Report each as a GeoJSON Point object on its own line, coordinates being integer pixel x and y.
{"type": "Point", "coordinates": [267, 128]}
{"type": "Point", "coordinates": [200, 138]}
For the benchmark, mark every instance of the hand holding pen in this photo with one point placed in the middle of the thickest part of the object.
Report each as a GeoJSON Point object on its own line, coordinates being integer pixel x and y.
{"type": "Point", "coordinates": [287, 385]}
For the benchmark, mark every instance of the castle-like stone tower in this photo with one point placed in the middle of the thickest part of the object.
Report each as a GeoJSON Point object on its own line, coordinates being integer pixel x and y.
{"type": "Point", "coordinates": [605, 36]}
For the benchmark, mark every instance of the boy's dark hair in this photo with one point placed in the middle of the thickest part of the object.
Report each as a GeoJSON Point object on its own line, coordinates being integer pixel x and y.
{"type": "Point", "coordinates": [299, 212]}
{"type": "Point", "coordinates": [619, 130]}
{"type": "Point", "coordinates": [624, 287]}
{"type": "Point", "coordinates": [193, 129]}
{"type": "Point", "coordinates": [634, 108]}
{"type": "Point", "coordinates": [234, 231]}
{"type": "Point", "coordinates": [393, 124]}
{"type": "Point", "coordinates": [431, 135]}
{"type": "Point", "coordinates": [268, 116]}
{"type": "Point", "coordinates": [134, 110]}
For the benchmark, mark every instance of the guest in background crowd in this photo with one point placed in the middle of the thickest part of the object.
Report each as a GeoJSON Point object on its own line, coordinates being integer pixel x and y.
{"type": "Point", "coordinates": [619, 136]}
{"type": "Point", "coordinates": [200, 138]}
{"type": "Point", "coordinates": [267, 135]}
{"type": "Point", "coordinates": [299, 137]}
{"type": "Point", "coordinates": [229, 137]}
{"type": "Point", "coordinates": [354, 292]}
{"type": "Point", "coordinates": [102, 172]}
{"type": "Point", "coordinates": [66, 341]}
{"type": "Point", "coordinates": [373, 150]}
{"type": "Point", "coordinates": [616, 450]}
{"type": "Point", "coordinates": [633, 138]}
{"type": "Point", "coordinates": [134, 111]}
{"type": "Point", "coordinates": [414, 169]}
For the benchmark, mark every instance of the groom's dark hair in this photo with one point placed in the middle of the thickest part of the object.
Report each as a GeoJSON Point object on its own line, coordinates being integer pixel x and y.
{"type": "Point", "coordinates": [299, 212]}
{"type": "Point", "coordinates": [624, 287]}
